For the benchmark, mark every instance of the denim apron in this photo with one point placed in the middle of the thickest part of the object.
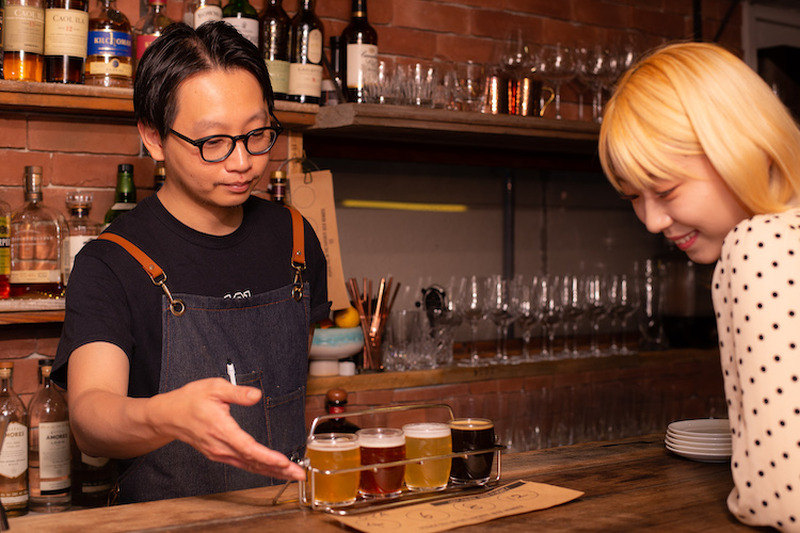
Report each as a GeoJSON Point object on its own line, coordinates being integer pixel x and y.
{"type": "Point", "coordinates": [265, 339]}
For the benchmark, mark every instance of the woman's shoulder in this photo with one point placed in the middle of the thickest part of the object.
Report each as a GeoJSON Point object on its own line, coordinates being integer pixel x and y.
{"type": "Point", "coordinates": [764, 235]}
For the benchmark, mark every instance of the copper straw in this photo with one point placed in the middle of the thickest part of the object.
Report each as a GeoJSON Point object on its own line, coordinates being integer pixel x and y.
{"type": "Point", "coordinates": [373, 321]}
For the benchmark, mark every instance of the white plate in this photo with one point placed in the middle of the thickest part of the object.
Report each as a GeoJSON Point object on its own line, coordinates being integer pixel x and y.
{"type": "Point", "coordinates": [704, 427]}
{"type": "Point", "coordinates": [699, 440]}
{"type": "Point", "coordinates": [701, 456]}
{"type": "Point", "coordinates": [725, 448]}
{"type": "Point", "coordinates": [335, 351]}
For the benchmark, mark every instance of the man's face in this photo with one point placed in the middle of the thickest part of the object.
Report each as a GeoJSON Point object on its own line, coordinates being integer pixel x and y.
{"type": "Point", "coordinates": [228, 102]}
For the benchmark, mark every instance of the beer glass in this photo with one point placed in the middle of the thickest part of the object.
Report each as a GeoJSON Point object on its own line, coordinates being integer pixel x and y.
{"type": "Point", "coordinates": [470, 434]}
{"type": "Point", "coordinates": [382, 445]}
{"type": "Point", "coordinates": [426, 439]}
{"type": "Point", "coordinates": [334, 451]}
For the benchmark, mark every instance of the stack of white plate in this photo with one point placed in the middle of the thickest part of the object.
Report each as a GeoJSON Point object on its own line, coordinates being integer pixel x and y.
{"type": "Point", "coordinates": [707, 440]}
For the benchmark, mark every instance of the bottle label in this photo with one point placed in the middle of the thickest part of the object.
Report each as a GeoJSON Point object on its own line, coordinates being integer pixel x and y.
{"type": "Point", "coordinates": [112, 67]}
{"type": "Point", "coordinates": [207, 14]}
{"type": "Point", "coordinates": [14, 453]}
{"type": "Point", "coordinates": [142, 42]}
{"type": "Point", "coordinates": [5, 247]}
{"type": "Point", "coordinates": [122, 206]}
{"type": "Point", "coordinates": [54, 455]}
{"type": "Point", "coordinates": [305, 79]}
{"type": "Point", "coordinates": [23, 29]}
{"type": "Point", "coordinates": [65, 32]}
{"type": "Point", "coordinates": [22, 277]}
{"type": "Point", "coordinates": [362, 65]}
{"type": "Point", "coordinates": [315, 46]}
{"type": "Point", "coordinates": [109, 43]}
{"type": "Point", "coordinates": [246, 26]}
{"type": "Point", "coordinates": [278, 75]}
{"type": "Point", "coordinates": [74, 244]}
{"type": "Point", "coordinates": [96, 462]}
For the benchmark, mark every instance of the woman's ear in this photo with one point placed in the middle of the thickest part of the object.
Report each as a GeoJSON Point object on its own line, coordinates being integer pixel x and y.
{"type": "Point", "coordinates": [152, 141]}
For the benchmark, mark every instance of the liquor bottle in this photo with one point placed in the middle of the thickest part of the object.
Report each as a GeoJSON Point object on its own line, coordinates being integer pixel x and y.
{"type": "Point", "coordinates": [305, 70]}
{"type": "Point", "coordinates": [49, 454]}
{"type": "Point", "coordinates": [150, 26]}
{"type": "Point", "coordinates": [5, 248]}
{"type": "Point", "coordinates": [244, 17]}
{"type": "Point", "coordinates": [66, 29]}
{"type": "Point", "coordinates": [38, 236]}
{"type": "Point", "coordinates": [359, 53]}
{"type": "Point", "coordinates": [196, 12]}
{"type": "Point", "coordinates": [23, 40]}
{"type": "Point", "coordinates": [335, 402]}
{"type": "Point", "coordinates": [93, 478]}
{"type": "Point", "coordinates": [124, 195]}
{"type": "Point", "coordinates": [81, 228]}
{"type": "Point", "coordinates": [14, 453]}
{"type": "Point", "coordinates": [275, 45]}
{"type": "Point", "coordinates": [277, 185]}
{"type": "Point", "coordinates": [109, 61]}
{"type": "Point", "coordinates": [159, 175]}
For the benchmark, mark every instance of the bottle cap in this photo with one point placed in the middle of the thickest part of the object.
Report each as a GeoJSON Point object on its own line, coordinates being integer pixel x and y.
{"type": "Point", "coordinates": [125, 168]}
{"type": "Point", "coordinates": [6, 364]}
{"type": "Point", "coordinates": [278, 174]}
{"type": "Point", "coordinates": [337, 396]}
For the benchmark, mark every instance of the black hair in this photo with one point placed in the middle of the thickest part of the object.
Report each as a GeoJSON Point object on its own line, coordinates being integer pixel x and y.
{"type": "Point", "coordinates": [181, 52]}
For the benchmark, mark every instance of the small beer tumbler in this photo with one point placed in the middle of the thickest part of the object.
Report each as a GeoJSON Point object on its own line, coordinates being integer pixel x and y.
{"type": "Point", "coordinates": [427, 439]}
{"type": "Point", "coordinates": [378, 446]}
{"type": "Point", "coordinates": [471, 434]}
{"type": "Point", "coordinates": [330, 452]}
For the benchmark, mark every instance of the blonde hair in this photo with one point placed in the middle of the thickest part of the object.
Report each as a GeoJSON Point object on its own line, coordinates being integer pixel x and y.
{"type": "Point", "coordinates": [699, 99]}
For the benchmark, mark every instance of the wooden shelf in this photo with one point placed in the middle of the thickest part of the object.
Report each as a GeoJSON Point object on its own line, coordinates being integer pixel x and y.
{"type": "Point", "coordinates": [408, 124]}
{"type": "Point", "coordinates": [108, 102]}
{"type": "Point", "coordinates": [31, 311]}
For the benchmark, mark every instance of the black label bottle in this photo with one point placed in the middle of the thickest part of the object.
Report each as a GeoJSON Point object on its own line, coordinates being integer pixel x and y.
{"type": "Point", "coordinates": [66, 30]}
{"type": "Point", "coordinates": [305, 70]}
{"type": "Point", "coordinates": [359, 54]}
{"type": "Point", "coordinates": [5, 248]}
{"type": "Point", "coordinates": [275, 43]}
{"type": "Point", "coordinates": [124, 195]}
{"type": "Point", "coordinates": [14, 453]}
{"type": "Point", "coordinates": [38, 239]}
{"type": "Point", "coordinates": [23, 40]}
{"type": "Point", "coordinates": [244, 17]}
{"type": "Point", "coordinates": [49, 449]}
{"type": "Point", "coordinates": [335, 403]}
{"type": "Point", "coordinates": [109, 54]}
{"type": "Point", "coordinates": [277, 187]}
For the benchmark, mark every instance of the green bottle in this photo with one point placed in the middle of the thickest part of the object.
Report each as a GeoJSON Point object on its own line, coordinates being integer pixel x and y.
{"type": "Point", "coordinates": [125, 194]}
{"type": "Point", "coordinates": [244, 17]}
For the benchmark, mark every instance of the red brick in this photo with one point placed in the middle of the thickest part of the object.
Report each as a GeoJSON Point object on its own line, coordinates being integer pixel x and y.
{"type": "Point", "coordinates": [601, 13]}
{"type": "Point", "coordinates": [83, 170]}
{"type": "Point", "coordinates": [671, 25]}
{"type": "Point", "coordinates": [427, 15]}
{"type": "Point", "coordinates": [14, 163]}
{"type": "Point", "coordinates": [15, 348]}
{"type": "Point", "coordinates": [496, 24]}
{"type": "Point", "coordinates": [407, 42]}
{"type": "Point", "coordinates": [460, 48]}
{"type": "Point", "coordinates": [83, 137]}
{"type": "Point", "coordinates": [13, 132]}
{"type": "Point", "coordinates": [543, 8]}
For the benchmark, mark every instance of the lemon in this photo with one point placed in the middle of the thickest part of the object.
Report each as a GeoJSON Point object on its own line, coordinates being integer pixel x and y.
{"type": "Point", "coordinates": [346, 318]}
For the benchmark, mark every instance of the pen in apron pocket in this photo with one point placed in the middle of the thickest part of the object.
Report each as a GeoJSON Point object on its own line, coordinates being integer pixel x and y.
{"type": "Point", "coordinates": [231, 372]}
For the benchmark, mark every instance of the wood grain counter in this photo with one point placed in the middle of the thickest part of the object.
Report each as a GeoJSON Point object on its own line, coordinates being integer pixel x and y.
{"type": "Point", "coordinates": [630, 485]}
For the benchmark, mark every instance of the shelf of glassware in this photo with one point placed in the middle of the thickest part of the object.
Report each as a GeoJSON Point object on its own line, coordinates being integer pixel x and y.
{"type": "Point", "coordinates": [455, 128]}
{"type": "Point", "coordinates": [31, 310]}
{"type": "Point", "coordinates": [115, 102]}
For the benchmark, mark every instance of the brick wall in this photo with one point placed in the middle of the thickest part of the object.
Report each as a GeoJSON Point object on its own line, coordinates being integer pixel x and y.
{"type": "Point", "coordinates": [85, 153]}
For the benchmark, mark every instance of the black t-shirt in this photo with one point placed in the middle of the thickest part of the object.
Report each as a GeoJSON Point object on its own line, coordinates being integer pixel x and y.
{"type": "Point", "coordinates": [111, 298]}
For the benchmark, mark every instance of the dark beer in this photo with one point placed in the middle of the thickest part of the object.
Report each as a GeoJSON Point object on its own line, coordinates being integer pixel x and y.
{"type": "Point", "coordinates": [378, 446]}
{"type": "Point", "coordinates": [470, 434]}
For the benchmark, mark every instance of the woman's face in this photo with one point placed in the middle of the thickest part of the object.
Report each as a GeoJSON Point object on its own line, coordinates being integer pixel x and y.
{"type": "Point", "coordinates": [695, 213]}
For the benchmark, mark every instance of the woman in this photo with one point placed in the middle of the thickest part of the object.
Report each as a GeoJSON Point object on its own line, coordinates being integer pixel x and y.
{"type": "Point", "coordinates": [709, 156]}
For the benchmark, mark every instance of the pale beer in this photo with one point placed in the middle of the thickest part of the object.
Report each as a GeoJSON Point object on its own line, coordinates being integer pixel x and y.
{"type": "Point", "coordinates": [333, 451]}
{"type": "Point", "coordinates": [427, 439]}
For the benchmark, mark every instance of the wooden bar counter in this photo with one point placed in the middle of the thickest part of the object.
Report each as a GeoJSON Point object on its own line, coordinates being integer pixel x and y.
{"type": "Point", "coordinates": [631, 484]}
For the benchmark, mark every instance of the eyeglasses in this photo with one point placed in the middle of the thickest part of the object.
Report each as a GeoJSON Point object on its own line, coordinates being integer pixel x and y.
{"type": "Point", "coordinates": [216, 148]}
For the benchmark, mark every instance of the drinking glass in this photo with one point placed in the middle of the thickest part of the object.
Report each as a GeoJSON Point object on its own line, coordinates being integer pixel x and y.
{"type": "Point", "coordinates": [469, 87]}
{"type": "Point", "coordinates": [427, 439]}
{"type": "Point", "coordinates": [630, 306]}
{"type": "Point", "coordinates": [378, 446]}
{"type": "Point", "coordinates": [552, 312]}
{"type": "Point", "coordinates": [420, 83]}
{"type": "Point", "coordinates": [329, 452]}
{"type": "Point", "coordinates": [529, 313]}
{"type": "Point", "coordinates": [592, 68]}
{"type": "Point", "coordinates": [501, 308]}
{"type": "Point", "coordinates": [558, 66]}
{"type": "Point", "coordinates": [596, 290]}
{"type": "Point", "coordinates": [470, 434]}
{"type": "Point", "coordinates": [473, 308]}
{"type": "Point", "coordinates": [442, 305]}
{"type": "Point", "coordinates": [572, 303]}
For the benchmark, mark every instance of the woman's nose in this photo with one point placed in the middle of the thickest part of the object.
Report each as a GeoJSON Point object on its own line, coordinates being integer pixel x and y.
{"type": "Point", "coordinates": [654, 216]}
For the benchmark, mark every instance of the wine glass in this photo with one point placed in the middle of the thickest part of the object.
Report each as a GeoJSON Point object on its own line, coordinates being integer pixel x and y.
{"type": "Point", "coordinates": [592, 69]}
{"type": "Point", "coordinates": [443, 307]}
{"type": "Point", "coordinates": [629, 302]}
{"type": "Point", "coordinates": [529, 313]}
{"type": "Point", "coordinates": [551, 306]}
{"type": "Point", "coordinates": [473, 308]}
{"type": "Point", "coordinates": [502, 309]}
{"type": "Point", "coordinates": [596, 291]}
{"type": "Point", "coordinates": [558, 67]}
{"type": "Point", "coordinates": [572, 310]}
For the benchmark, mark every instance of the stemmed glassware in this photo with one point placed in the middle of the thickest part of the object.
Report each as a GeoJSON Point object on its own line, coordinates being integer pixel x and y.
{"type": "Point", "coordinates": [628, 307]}
{"type": "Point", "coordinates": [551, 306]}
{"type": "Point", "coordinates": [596, 292]}
{"type": "Point", "coordinates": [474, 310]}
{"type": "Point", "coordinates": [502, 309]}
{"type": "Point", "coordinates": [593, 68]}
{"type": "Point", "coordinates": [530, 314]}
{"type": "Point", "coordinates": [558, 66]}
{"type": "Point", "coordinates": [572, 310]}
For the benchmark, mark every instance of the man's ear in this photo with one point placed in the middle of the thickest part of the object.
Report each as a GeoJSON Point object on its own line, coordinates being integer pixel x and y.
{"type": "Point", "coordinates": [152, 141]}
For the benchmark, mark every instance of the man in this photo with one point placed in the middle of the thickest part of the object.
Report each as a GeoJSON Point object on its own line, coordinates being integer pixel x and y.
{"type": "Point", "coordinates": [195, 378]}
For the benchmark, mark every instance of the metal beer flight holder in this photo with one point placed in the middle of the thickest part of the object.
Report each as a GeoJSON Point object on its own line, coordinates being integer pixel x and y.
{"type": "Point", "coordinates": [306, 489]}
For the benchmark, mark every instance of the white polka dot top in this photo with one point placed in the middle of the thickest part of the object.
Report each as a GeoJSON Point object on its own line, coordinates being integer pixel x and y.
{"type": "Point", "coordinates": [756, 293]}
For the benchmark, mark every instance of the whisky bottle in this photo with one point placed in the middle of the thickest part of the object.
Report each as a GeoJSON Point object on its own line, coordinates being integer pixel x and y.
{"type": "Point", "coordinates": [81, 228]}
{"type": "Point", "coordinates": [49, 453]}
{"type": "Point", "coordinates": [66, 29]}
{"type": "Point", "coordinates": [244, 17]}
{"type": "Point", "coordinates": [197, 12]}
{"type": "Point", "coordinates": [275, 46]}
{"type": "Point", "coordinates": [5, 248]}
{"type": "Point", "coordinates": [124, 195]}
{"type": "Point", "coordinates": [38, 236]}
{"type": "Point", "coordinates": [93, 479]}
{"type": "Point", "coordinates": [359, 53]}
{"type": "Point", "coordinates": [159, 175]}
{"type": "Point", "coordinates": [305, 69]}
{"type": "Point", "coordinates": [277, 187]}
{"type": "Point", "coordinates": [23, 40]}
{"type": "Point", "coordinates": [150, 26]}
{"type": "Point", "coordinates": [335, 402]}
{"type": "Point", "coordinates": [14, 451]}
{"type": "Point", "coordinates": [109, 55]}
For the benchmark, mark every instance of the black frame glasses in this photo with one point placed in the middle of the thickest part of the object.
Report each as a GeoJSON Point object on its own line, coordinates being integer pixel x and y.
{"type": "Point", "coordinates": [276, 127]}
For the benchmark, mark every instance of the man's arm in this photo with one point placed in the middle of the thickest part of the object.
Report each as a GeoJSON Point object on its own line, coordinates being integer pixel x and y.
{"type": "Point", "coordinates": [108, 423]}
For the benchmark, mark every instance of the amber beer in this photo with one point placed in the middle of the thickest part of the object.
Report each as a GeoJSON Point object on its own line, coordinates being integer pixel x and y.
{"type": "Point", "coordinates": [427, 439]}
{"type": "Point", "coordinates": [470, 434]}
{"type": "Point", "coordinates": [333, 451]}
{"type": "Point", "coordinates": [378, 446]}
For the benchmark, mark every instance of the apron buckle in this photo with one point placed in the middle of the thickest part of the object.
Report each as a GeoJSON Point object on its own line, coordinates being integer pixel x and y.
{"type": "Point", "coordinates": [297, 283]}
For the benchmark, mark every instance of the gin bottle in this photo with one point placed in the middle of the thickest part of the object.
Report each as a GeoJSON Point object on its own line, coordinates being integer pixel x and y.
{"type": "Point", "coordinates": [38, 237]}
{"type": "Point", "coordinates": [14, 451]}
{"type": "Point", "coordinates": [244, 17]}
{"type": "Point", "coordinates": [49, 449]}
{"type": "Point", "coordinates": [124, 195]}
{"type": "Point", "coordinates": [81, 228]}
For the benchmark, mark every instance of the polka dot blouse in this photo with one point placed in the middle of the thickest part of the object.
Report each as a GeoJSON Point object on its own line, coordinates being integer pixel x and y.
{"type": "Point", "coordinates": [756, 292]}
